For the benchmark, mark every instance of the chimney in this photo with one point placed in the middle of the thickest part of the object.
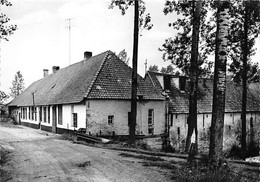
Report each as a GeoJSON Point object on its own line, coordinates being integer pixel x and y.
{"type": "Point", "coordinates": [45, 72]}
{"type": "Point", "coordinates": [55, 69]}
{"type": "Point", "coordinates": [87, 55]}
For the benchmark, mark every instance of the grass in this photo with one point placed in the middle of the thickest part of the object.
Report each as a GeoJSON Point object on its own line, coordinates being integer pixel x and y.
{"type": "Point", "coordinates": [8, 122]}
{"type": "Point", "coordinates": [4, 175]}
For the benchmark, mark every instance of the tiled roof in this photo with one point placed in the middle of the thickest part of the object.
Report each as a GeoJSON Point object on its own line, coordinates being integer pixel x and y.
{"type": "Point", "coordinates": [103, 76]}
{"type": "Point", "coordinates": [114, 82]}
{"type": "Point", "coordinates": [179, 102]}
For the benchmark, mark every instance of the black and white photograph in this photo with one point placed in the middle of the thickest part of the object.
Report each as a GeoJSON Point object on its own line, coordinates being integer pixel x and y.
{"type": "Point", "coordinates": [129, 90]}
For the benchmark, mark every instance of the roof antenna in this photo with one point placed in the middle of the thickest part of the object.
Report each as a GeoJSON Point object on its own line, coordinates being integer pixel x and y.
{"type": "Point", "coordinates": [145, 66]}
{"type": "Point", "coordinates": [68, 26]}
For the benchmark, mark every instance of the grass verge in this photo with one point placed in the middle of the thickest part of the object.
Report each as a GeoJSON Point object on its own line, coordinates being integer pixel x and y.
{"type": "Point", "coordinates": [4, 174]}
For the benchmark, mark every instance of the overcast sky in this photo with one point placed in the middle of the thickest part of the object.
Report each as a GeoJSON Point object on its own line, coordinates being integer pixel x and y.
{"type": "Point", "coordinates": [42, 39]}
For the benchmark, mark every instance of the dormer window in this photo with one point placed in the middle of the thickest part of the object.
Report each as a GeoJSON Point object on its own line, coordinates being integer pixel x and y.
{"type": "Point", "coordinates": [182, 83]}
{"type": "Point", "coordinates": [167, 82]}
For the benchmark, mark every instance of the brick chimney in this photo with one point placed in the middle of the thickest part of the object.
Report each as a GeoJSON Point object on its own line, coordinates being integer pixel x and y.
{"type": "Point", "coordinates": [55, 69]}
{"type": "Point", "coordinates": [45, 72]}
{"type": "Point", "coordinates": [87, 55]}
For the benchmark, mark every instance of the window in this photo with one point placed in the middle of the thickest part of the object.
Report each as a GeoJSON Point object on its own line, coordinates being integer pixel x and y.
{"type": "Point", "coordinates": [29, 112]}
{"type": "Point", "coordinates": [150, 121]}
{"type": "Point", "coordinates": [129, 118]}
{"type": "Point", "coordinates": [151, 131]}
{"type": "Point", "coordinates": [88, 104]}
{"type": "Point", "coordinates": [75, 119]}
{"type": "Point", "coordinates": [25, 113]}
{"type": "Point", "coordinates": [44, 115]}
{"type": "Point", "coordinates": [171, 120]}
{"type": "Point", "coordinates": [32, 114]}
{"type": "Point", "coordinates": [40, 113]}
{"type": "Point", "coordinates": [176, 116]}
{"type": "Point", "coordinates": [182, 82]}
{"type": "Point", "coordinates": [167, 82]}
{"type": "Point", "coordinates": [60, 114]}
{"type": "Point", "coordinates": [111, 119]}
{"type": "Point", "coordinates": [49, 114]}
{"type": "Point", "coordinates": [150, 117]}
{"type": "Point", "coordinates": [35, 112]}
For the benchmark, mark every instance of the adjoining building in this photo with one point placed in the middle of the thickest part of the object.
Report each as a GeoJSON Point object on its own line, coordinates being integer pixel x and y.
{"type": "Point", "coordinates": [175, 88]}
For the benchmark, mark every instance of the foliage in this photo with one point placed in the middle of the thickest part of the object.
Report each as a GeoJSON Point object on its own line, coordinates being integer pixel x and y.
{"type": "Point", "coordinates": [168, 69]}
{"type": "Point", "coordinates": [5, 30]}
{"type": "Point", "coordinates": [237, 37]}
{"type": "Point", "coordinates": [177, 49]}
{"type": "Point", "coordinates": [123, 56]}
{"type": "Point", "coordinates": [144, 19]}
{"type": "Point", "coordinates": [153, 68]}
{"type": "Point", "coordinates": [17, 85]}
{"type": "Point", "coordinates": [3, 97]}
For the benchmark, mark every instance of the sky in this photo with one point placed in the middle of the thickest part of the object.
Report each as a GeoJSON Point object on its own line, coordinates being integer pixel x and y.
{"type": "Point", "coordinates": [42, 39]}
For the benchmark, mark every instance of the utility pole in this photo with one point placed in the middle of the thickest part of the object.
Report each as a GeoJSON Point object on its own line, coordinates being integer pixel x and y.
{"type": "Point", "coordinates": [134, 75]}
{"type": "Point", "coordinates": [68, 26]}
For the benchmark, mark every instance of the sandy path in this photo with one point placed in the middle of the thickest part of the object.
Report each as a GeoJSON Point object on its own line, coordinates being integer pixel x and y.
{"type": "Point", "coordinates": [41, 156]}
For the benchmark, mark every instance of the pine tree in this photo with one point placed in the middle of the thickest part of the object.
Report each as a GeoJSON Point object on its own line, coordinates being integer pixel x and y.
{"type": "Point", "coordinates": [17, 85]}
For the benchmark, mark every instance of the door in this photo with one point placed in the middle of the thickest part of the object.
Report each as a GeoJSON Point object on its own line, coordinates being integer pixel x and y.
{"type": "Point", "coordinates": [54, 119]}
{"type": "Point", "coordinates": [19, 119]}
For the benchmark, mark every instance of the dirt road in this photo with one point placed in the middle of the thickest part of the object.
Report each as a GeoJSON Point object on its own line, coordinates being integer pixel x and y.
{"type": "Point", "coordinates": [42, 156]}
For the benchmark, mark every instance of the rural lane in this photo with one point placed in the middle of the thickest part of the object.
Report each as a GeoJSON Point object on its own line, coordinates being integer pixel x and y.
{"type": "Point", "coordinates": [41, 156]}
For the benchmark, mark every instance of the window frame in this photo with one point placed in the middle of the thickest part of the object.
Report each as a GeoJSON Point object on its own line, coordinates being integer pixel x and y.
{"type": "Point", "coordinates": [75, 120]}
{"type": "Point", "coordinates": [150, 117]}
{"type": "Point", "coordinates": [110, 119]}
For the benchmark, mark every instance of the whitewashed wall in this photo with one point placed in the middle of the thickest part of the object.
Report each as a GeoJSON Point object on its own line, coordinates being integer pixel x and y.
{"type": "Point", "coordinates": [100, 110]}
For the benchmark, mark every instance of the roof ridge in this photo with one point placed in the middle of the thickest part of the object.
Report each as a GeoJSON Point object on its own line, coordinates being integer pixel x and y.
{"type": "Point", "coordinates": [99, 70]}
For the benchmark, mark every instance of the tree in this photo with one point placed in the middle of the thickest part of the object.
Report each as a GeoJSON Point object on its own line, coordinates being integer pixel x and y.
{"type": "Point", "coordinates": [183, 51]}
{"type": "Point", "coordinates": [219, 83]}
{"type": "Point", "coordinates": [192, 122]}
{"type": "Point", "coordinates": [123, 56]}
{"type": "Point", "coordinates": [5, 30]}
{"type": "Point", "coordinates": [178, 49]}
{"type": "Point", "coordinates": [3, 97]}
{"type": "Point", "coordinates": [141, 21]}
{"type": "Point", "coordinates": [168, 69]}
{"type": "Point", "coordinates": [247, 16]}
{"type": "Point", "coordinates": [17, 85]}
{"type": "Point", "coordinates": [154, 68]}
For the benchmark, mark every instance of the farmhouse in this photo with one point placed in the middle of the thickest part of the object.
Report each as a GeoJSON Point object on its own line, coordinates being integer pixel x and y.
{"type": "Point", "coordinates": [94, 94]}
{"type": "Point", "coordinates": [175, 88]}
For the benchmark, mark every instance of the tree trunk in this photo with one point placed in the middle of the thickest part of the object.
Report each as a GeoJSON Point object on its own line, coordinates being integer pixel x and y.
{"type": "Point", "coordinates": [134, 75]}
{"type": "Point", "coordinates": [192, 119]}
{"type": "Point", "coordinates": [244, 81]}
{"type": "Point", "coordinates": [219, 85]}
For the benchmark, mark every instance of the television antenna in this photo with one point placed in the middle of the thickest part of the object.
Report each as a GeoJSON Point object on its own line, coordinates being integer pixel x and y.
{"type": "Point", "coordinates": [69, 26]}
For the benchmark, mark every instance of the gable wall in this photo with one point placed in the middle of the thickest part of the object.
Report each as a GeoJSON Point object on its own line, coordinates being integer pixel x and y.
{"type": "Point", "coordinates": [97, 117]}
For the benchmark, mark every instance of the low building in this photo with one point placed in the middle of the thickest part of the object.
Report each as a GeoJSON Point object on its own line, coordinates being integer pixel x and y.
{"type": "Point", "coordinates": [94, 94]}
{"type": "Point", "coordinates": [175, 88]}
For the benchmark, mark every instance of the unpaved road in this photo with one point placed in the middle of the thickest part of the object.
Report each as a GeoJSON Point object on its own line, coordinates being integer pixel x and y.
{"type": "Point", "coordinates": [42, 156]}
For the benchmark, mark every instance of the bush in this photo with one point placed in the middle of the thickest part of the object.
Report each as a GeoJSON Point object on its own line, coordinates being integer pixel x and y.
{"type": "Point", "coordinates": [253, 149]}
{"type": "Point", "coordinates": [204, 171]}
